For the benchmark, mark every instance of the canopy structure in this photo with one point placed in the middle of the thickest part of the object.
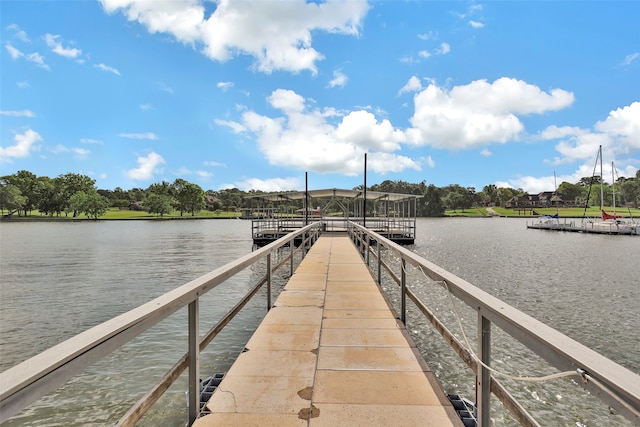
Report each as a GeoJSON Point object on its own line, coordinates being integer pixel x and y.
{"type": "Point", "coordinates": [391, 214]}
{"type": "Point", "coordinates": [334, 193]}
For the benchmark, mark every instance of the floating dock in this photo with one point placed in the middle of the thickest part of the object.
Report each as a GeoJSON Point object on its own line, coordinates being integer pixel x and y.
{"type": "Point", "coordinates": [330, 352]}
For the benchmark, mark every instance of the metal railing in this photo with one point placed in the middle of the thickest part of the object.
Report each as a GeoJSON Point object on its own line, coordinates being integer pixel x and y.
{"type": "Point", "coordinates": [615, 385]}
{"type": "Point", "coordinates": [26, 382]}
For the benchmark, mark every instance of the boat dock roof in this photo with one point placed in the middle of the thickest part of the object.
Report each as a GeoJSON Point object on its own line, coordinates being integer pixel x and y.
{"type": "Point", "coordinates": [330, 352]}
{"type": "Point", "coordinates": [333, 193]}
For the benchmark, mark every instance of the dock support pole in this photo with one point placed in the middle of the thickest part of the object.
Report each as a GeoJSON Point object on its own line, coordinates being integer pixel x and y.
{"type": "Point", "coordinates": [268, 282]}
{"type": "Point", "coordinates": [483, 378]}
{"type": "Point", "coordinates": [403, 292]}
{"type": "Point", "coordinates": [194, 361]}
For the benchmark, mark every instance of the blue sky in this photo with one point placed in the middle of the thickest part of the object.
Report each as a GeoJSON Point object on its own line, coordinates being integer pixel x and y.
{"type": "Point", "coordinates": [253, 94]}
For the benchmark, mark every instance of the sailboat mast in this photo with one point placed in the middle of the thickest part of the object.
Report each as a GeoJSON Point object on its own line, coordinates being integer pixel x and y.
{"type": "Point", "coordinates": [601, 182]}
{"type": "Point", "coordinates": [555, 193]}
{"type": "Point", "coordinates": [613, 188]}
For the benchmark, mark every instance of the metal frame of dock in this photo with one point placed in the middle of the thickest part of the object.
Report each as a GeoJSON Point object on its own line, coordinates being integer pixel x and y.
{"type": "Point", "coordinates": [344, 332]}
{"type": "Point", "coordinates": [392, 215]}
{"type": "Point", "coordinates": [330, 352]}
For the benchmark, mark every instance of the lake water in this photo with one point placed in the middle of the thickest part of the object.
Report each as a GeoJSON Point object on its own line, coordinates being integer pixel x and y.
{"type": "Point", "coordinates": [58, 279]}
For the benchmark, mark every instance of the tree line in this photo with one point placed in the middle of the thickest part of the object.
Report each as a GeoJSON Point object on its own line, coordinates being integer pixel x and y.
{"type": "Point", "coordinates": [75, 194]}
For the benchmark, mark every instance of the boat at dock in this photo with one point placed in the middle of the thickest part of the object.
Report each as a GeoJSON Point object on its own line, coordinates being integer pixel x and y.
{"type": "Point", "coordinates": [606, 224]}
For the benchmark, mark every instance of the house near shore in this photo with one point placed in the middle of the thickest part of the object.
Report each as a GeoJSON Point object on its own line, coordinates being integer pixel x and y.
{"type": "Point", "coordinates": [546, 199]}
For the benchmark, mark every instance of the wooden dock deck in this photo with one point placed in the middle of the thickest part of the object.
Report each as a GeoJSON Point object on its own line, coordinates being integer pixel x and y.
{"type": "Point", "coordinates": [330, 353]}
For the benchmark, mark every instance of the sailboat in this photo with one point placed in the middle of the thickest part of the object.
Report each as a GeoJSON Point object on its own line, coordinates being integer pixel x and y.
{"type": "Point", "coordinates": [550, 222]}
{"type": "Point", "coordinates": [609, 223]}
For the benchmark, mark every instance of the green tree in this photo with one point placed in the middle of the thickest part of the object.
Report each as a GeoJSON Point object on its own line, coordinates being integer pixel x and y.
{"type": "Point", "coordinates": [573, 193]}
{"type": "Point", "coordinates": [10, 198]}
{"type": "Point", "coordinates": [189, 197]}
{"type": "Point", "coordinates": [158, 204]}
{"type": "Point", "coordinates": [71, 184]}
{"type": "Point", "coordinates": [489, 193]}
{"type": "Point", "coordinates": [27, 183]}
{"type": "Point", "coordinates": [52, 200]}
{"type": "Point", "coordinates": [91, 203]}
{"type": "Point", "coordinates": [432, 203]}
{"type": "Point", "coordinates": [505, 194]}
{"type": "Point", "coordinates": [231, 198]}
{"type": "Point", "coordinates": [630, 190]}
{"type": "Point", "coordinates": [453, 200]}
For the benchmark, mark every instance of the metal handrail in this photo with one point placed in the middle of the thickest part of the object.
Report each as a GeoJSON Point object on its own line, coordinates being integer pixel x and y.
{"type": "Point", "coordinates": [615, 385]}
{"type": "Point", "coordinates": [24, 383]}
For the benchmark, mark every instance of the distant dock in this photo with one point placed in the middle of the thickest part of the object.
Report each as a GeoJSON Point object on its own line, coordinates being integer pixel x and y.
{"type": "Point", "coordinates": [391, 215]}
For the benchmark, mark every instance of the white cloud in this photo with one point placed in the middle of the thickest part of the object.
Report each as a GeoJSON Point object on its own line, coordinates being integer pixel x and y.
{"type": "Point", "coordinates": [339, 79]}
{"type": "Point", "coordinates": [413, 85]}
{"type": "Point", "coordinates": [234, 126]}
{"type": "Point", "coordinates": [21, 113]}
{"type": "Point", "coordinates": [147, 167]}
{"type": "Point", "coordinates": [630, 58]}
{"type": "Point", "coordinates": [428, 36]}
{"type": "Point", "coordinates": [444, 49]}
{"type": "Point", "coordinates": [383, 163]}
{"type": "Point", "coordinates": [476, 24]}
{"type": "Point", "coordinates": [268, 185]}
{"type": "Point", "coordinates": [56, 47]}
{"type": "Point", "coordinates": [146, 135]}
{"type": "Point", "coordinates": [304, 138]}
{"type": "Point", "coordinates": [424, 54]}
{"type": "Point", "coordinates": [80, 153]}
{"type": "Point", "coordinates": [19, 33]}
{"type": "Point", "coordinates": [225, 86]}
{"type": "Point", "coordinates": [107, 68]}
{"type": "Point", "coordinates": [362, 129]}
{"type": "Point", "coordinates": [203, 174]}
{"type": "Point", "coordinates": [486, 153]}
{"type": "Point", "coordinates": [237, 28]}
{"type": "Point", "coordinates": [428, 161]}
{"type": "Point", "coordinates": [555, 132]}
{"type": "Point", "coordinates": [146, 107]}
{"type": "Point", "coordinates": [479, 113]}
{"type": "Point", "coordinates": [13, 52]}
{"type": "Point", "coordinates": [91, 141]}
{"type": "Point", "coordinates": [619, 135]}
{"type": "Point", "coordinates": [165, 88]}
{"type": "Point", "coordinates": [24, 144]}
{"type": "Point", "coordinates": [37, 59]}
{"type": "Point", "coordinates": [188, 172]}
{"type": "Point", "coordinates": [623, 125]}
{"type": "Point", "coordinates": [23, 84]}
{"type": "Point", "coordinates": [214, 164]}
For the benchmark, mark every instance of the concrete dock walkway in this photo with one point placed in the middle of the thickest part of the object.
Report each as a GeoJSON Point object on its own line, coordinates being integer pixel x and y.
{"type": "Point", "coordinates": [330, 353]}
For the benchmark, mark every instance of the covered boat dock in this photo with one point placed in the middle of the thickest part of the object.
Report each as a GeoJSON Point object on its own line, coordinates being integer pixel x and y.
{"type": "Point", "coordinates": [391, 215]}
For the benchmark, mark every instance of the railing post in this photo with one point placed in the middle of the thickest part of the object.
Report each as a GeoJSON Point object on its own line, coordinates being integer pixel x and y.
{"type": "Point", "coordinates": [403, 292]}
{"type": "Point", "coordinates": [367, 246]}
{"type": "Point", "coordinates": [268, 282]}
{"type": "Point", "coordinates": [304, 244]}
{"type": "Point", "coordinates": [194, 361]}
{"type": "Point", "coordinates": [292, 247]}
{"type": "Point", "coordinates": [379, 264]}
{"type": "Point", "coordinates": [483, 379]}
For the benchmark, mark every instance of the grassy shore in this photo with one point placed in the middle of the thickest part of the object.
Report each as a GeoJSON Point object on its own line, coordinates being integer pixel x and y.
{"type": "Point", "coordinates": [591, 212]}
{"type": "Point", "coordinates": [125, 214]}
